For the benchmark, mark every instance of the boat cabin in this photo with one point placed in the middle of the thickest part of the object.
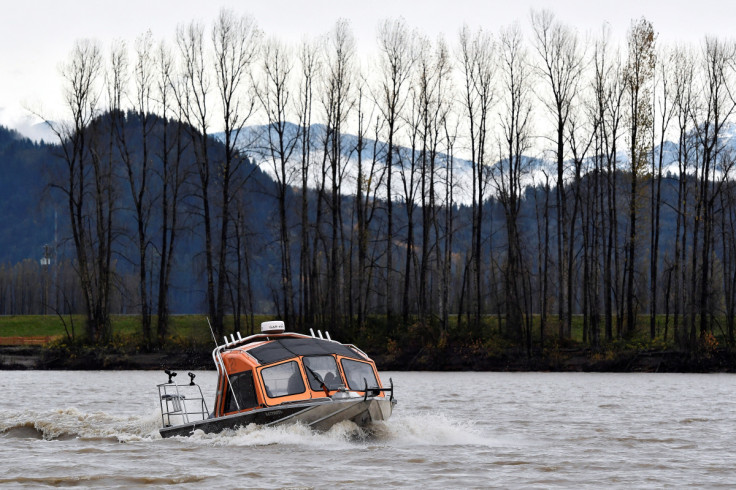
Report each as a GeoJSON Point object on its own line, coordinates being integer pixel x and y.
{"type": "Point", "coordinates": [276, 368]}
{"type": "Point", "coordinates": [276, 378]}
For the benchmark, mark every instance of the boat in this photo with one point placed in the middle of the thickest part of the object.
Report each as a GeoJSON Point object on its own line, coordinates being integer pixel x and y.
{"type": "Point", "coordinates": [275, 378]}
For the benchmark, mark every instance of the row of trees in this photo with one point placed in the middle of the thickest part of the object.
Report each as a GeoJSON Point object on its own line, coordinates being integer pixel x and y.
{"type": "Point", "coordinates": [491, 175]}
{"type": "Point", "coordinates": [29, 287]}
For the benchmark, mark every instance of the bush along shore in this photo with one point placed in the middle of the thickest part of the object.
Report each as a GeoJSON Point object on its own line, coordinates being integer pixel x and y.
{"type": "Point", "coordinates": [411, 348]}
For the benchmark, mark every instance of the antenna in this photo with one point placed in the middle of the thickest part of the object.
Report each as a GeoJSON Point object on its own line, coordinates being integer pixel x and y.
{"type": "Point", "coordinates": [212, 332]}
{"type": "Point", "coordinates": [56, 258]}
{"type": "Point", "coordinates": [232, 390]}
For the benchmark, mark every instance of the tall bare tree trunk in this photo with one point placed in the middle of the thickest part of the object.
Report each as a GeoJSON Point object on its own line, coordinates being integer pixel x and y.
{"type": "Point", "coordinates": [396, 60]}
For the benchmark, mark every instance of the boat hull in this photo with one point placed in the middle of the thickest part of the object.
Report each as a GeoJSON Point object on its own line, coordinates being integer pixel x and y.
{"type": "Point", "coordinates": [319, 415]}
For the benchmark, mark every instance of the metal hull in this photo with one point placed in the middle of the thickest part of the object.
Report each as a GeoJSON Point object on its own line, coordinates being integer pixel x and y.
{"type": "Point", "coordinates": [319, 415]}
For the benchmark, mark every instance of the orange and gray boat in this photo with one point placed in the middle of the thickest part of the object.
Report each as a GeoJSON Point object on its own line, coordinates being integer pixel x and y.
{"type": "Point", "coordinates": [277, 377]}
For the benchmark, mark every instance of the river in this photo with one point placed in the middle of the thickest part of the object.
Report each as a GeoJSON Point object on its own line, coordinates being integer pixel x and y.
{"type": "Point", "coordinates": [99, 429]}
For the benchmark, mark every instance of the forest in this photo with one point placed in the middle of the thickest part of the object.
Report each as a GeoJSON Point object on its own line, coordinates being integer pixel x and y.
{"type": "Point", "coordinates": [530, 184]}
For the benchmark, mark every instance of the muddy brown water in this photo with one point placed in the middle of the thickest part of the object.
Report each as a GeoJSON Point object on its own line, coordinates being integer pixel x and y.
{"type": "Point", "coordinates": [99, 429]}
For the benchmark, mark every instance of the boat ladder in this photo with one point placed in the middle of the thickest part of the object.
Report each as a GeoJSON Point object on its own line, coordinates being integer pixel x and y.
{"type": "Point", "coordinates": [181, 403]}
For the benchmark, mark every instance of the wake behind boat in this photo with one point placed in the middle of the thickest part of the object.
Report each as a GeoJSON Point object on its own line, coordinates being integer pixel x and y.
{"type": "Point", "coordinates": [277, 377]}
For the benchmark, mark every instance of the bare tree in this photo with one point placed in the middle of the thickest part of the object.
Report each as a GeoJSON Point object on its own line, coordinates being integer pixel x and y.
{"type": "Point", "coordinates": [408, 159]}
{"type": "Point", "coordinates": [338, 100]}
{"type": "Point", "coordinates": [137, 165]}
{"type": "Point", "coordinates": [609, 92]}
{"type": "Point", "coordinates": [235, 41]}
{"type": "Point", "coordinates": [666, 113]}
{"type": "Point", "coordinates": [559, 49]}
{"type": "Point", "coordinates": [581, 135]}
{"type": "Point", "coordinates": [435, 83]}
{"type": "Point", "coordinates": [683, 94]}
{"type": "Point", "coordinates": [543, 253]}
{"type": "Point", "coordinates": [310, 65]}
{"type": "Point", "coordinates": [450, 133]}
{"type": "Point", "coordinates": [85, 185]}
{"type": "Point", "coordinates": [369, 180]}
{"type": "Point", "coordinates": [191, 98]}
{"type": "Point", "coordinates": [478, 66]}
{"type": "Point", "coordinates": [395, 63]}
{"type": "Point", "coordinates": [507, 176]}
{"type": "Point", "coordinates": [717, 105]}
{"type": "Point", "coordinates": [171, 175]}
{"type": "Point", "coordinates": [638, 79]}
{"type": "Point", "coordinates": [275, 96]}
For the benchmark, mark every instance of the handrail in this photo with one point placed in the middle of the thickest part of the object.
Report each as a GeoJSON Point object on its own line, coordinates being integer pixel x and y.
{"type": "Point", "coordinates": [240, 341]}
{"type": "Point", "coordinates": [177, 404]}
{"type": "Point", "coordinates": [366, 390]}
{"type": "Point", "coordinates": [257, 337]}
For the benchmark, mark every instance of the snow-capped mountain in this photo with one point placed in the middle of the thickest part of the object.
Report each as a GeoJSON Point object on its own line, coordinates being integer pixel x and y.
{"type": "Point", "coordinates": [256, 141]}
{"type": "Point", "coordinates": [29, 126]}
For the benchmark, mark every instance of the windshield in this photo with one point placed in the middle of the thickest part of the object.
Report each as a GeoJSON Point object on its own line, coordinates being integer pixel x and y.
{"type": "Point", "coordinates": [283, 379]}
{"type": "Point", "coordinates": [358, 373]}
{"type": "Point", "coordinates": [326, 368]}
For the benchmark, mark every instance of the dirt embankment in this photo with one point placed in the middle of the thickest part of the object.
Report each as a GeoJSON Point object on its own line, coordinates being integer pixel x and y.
{"type": "Point", "coordinates": [451, 359]}
{"type": "Point", "coordinates": [27, 340]}
{"type": "Point", "coordinates": [462, 358]}
{"type": "Point", "coordinates": [38, 357]}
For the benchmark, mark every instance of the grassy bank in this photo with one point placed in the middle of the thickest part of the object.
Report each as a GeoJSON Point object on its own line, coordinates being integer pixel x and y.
{"type": "Point", "coordinates": [193, 327]}
{"type": "Point", "coordinates": [414, 346]}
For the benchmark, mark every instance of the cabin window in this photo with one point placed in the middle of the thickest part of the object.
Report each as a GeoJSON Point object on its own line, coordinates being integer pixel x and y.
{"type": "Point", "coordinates": [326, 368]}
{"type": "Point", "coordinates": [358, 373]}
{"type": "Point", "coordinates": [244, 390]}
{"type": "Point", "coordinates": [283, 379]}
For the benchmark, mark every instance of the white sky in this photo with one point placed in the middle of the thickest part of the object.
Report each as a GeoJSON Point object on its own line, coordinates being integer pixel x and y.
{"type": "Point", "coordinates": [36, 35]}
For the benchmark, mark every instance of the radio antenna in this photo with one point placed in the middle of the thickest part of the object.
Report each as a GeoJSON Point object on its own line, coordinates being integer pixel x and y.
{"type": "Point", "coordinates": [212, 332]}
{"type": "Point", "coordinates": [221, 363]}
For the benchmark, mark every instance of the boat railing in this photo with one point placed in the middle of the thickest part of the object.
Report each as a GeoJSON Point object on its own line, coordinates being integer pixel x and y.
{"type": "Point", "coordinates": [375, 390]}
{"type": "Point", "coordinates": [181, 404]}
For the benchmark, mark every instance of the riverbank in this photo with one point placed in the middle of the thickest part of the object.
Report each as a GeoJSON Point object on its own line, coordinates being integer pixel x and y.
{"type": "Point", "coordinates": [40, 342]}
{"type": "Point", "coordinates": [567, 360]}
{"type": "Point", "coordinates": [20, 357]}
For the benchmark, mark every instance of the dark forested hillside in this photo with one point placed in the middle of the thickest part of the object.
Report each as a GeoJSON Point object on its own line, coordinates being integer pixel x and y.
{"type": "Point", "coordinates": [26, 218]}
{"type": "Point", "coordinates": [33, 176]}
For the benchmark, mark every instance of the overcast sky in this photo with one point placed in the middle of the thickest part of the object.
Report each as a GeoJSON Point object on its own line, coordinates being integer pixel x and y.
{"type": "Point", "coordinates": [36, 35]}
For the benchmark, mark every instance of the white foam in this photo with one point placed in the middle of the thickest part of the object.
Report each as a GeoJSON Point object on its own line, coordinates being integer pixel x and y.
{"type": "Point", "coordinates": [70, 422]}
{"type": "Point", "coordinates": [339, 436]}
{"type": "Point", "coordinates": [430, 428]}
{"type": "Point", "coordinates": [417, 429]}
